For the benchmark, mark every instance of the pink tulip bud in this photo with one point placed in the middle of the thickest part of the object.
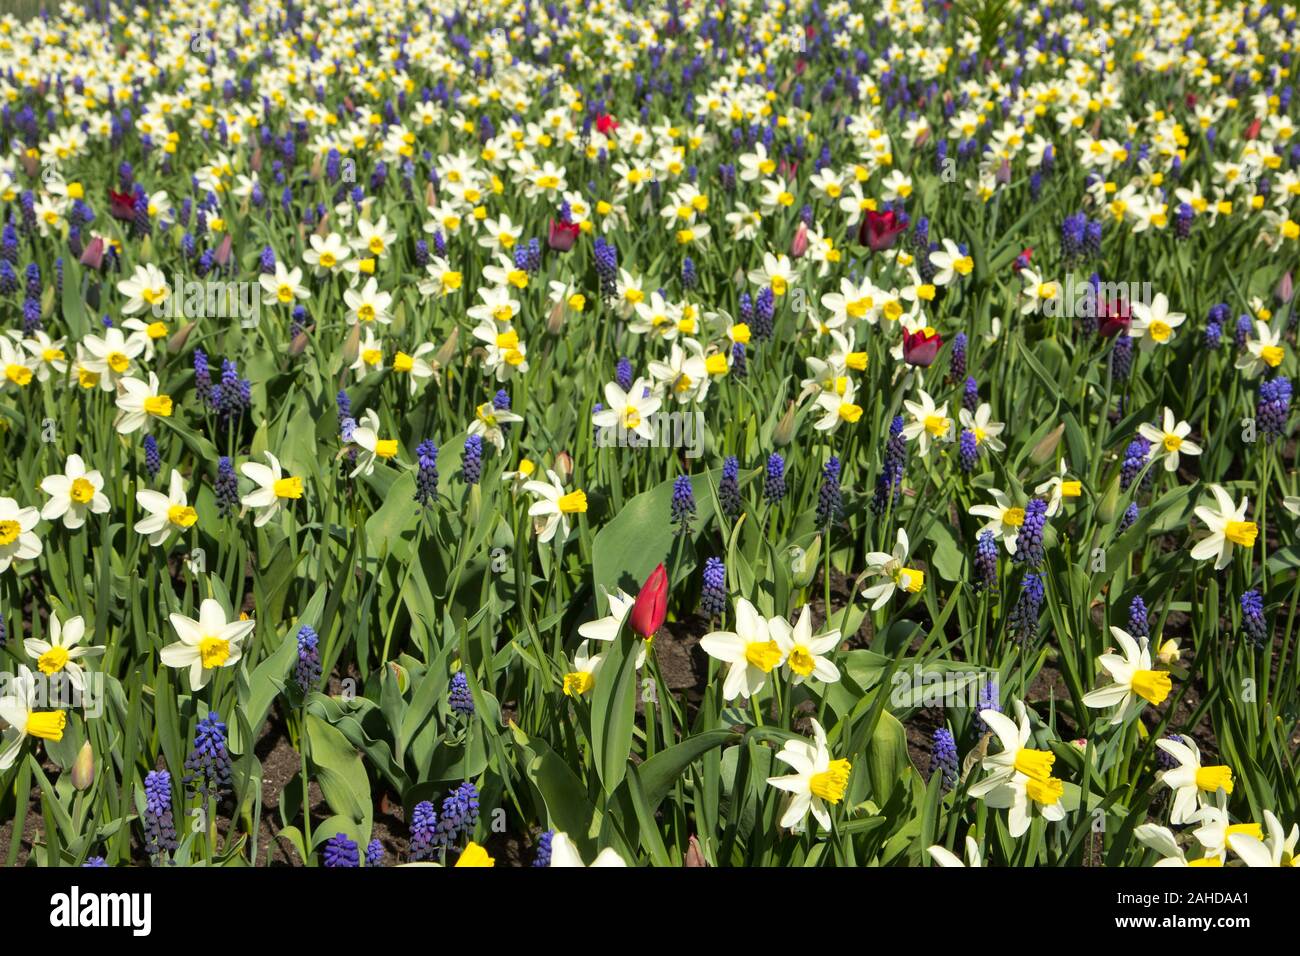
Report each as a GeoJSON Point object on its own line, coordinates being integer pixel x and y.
{"type": "Point", "coordinates": [94, 254]}
{"type": "Point", "coordinates": [799, 244]}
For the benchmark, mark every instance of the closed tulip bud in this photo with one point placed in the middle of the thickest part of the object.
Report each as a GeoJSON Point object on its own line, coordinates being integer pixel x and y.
{"type": "Point", "coordinates": [803, 564]}
{"type": "Point", "coordinates": [256, 162]}
{"type": "Point", "coordinates": [783, 434]}
{"type": "Point", "coordinates": [299, 344]}
{"type": "Point", "coordinates": [1107, 507]}
{"type": "Point", "coordinates": [555, 319]}
{"type": "Point", "coordinates": [651, 606]}
{"type": "Point", "coordinates": [694, 855]}
{"type": "Point", "coordinates": [352, 344]}
{"type": "Point", "coordinates": [222, 255]}
{"type": "Point", "coordinates": [1045, 450]}
{"type": "Point", "coordinates": [93, 254]}
{"type": "Point", "coordinates": [564, 465]}
{"type": "Point", "coordinates": [799, 244]}
{"type": "Point", "coordinates": [1003, 175]}
{"type": "Point", "coordinates": [448, 350]}
{"type": "Point", "coordinates": [400, 675]}
{"type": "Point", "coordinates": [1285, 288]}
{"type": "Point", "coordinates": [179, 338]}
{"type": "Point", "coordinates": [83, 769]}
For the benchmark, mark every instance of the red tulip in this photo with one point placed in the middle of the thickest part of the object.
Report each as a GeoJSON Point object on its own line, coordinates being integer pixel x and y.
{"type": "Point", "coordinates": [921, 347]}
{"type": "Point", "coordinates": [651, 605]}
{"type": "Point", "coordinates": [1253, 129]}
{"type": "Point", "coordinates": [879, 229]}
{"type": "Point", "coordinates": [121, 206]}
{"type": "Point", "coordinates": [605, 124]}
{"type": "Point", "coordinates": [1113, 317]}
{"type": "Point", "coordinates": [562, 235]}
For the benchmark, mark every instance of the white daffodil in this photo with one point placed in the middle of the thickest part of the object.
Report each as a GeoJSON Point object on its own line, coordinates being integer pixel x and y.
{"type": "Point", "coordinates": [818, 782]}
{"type": "Point", "coordinates": [1190, 782]}
{"type": "Point", "coordinates": [1021, 778]}
{"type": "Point", "coordinates": [1263, 351]}
{"type": "Point", "coordinates": [586, 665]}
{"type": "Point", "coordinates": [138, 403]}
{"type": "Point", "coordinates": [74, 494]}
{"type": "Point", "coordinates": [18, 367]}
{"type": "Point", "coordinates": [1169, 440]}
{"type": "Point", "coordinates": [1277, 850]}
{"type": "Point", "coordinates": [981, 425]}
{"type": "Point", "coordinates": [110, 357]}
{"type": "Point", "coordinates": [1216, 826]}
{"type": "Point", "coordinates": [283, 287]}
{"type": "Point", "coordinates": [61, 651]}
{"type": "Point", "coordinates": [893, 568]}
{"type": "Point", "coordinates": [1036, 292]}
{"type": "Point", "coordinates": [629, 412]}
{"type": "Point", "coordinates": [505, 353]}
{"type": "Point", "coordinates": [373, 448]}
{"type": "Point", "coordinates": [945, 857]}
{"type": "Point", "coordinates": [1228, 528]}
{"type": "Point", "coordinates": [205, 644]}
{"type": "Point", "coordinates": [929, 423]}
{"type": "Point", "coordinates": [49, 355]}
{"type": "Point", "coordinates": [1135, 683]}
{"type": "Point", "coordinates": [374, 240]}
{"type": "Point", "coordinates": [417, 369]}
{"type": "Point", "coordinates": [950, 262]}
{"type": "Point", "coordinates": [488, 422]}
{"type": "Point", "coordinates": [552, 509]}
{"type": "Point", "coordinates": [685, 376]}
{"type": "Point", "coordinates": [1154, 324]}
{"type": "Point", "coordinates": [17, 709]}
{"type": "Point", "coordinates": [610, 626]}
{"type": "Point", "coordinates": [1057, 489]}
{"type": "Point", "coordinates": [146, 288]}
{"type": "Point", "coordinates": [1162, 840]}
{"type": "Point", "coordinates": [18, 540]}
{"type": "Point", "coordinates": [273, 489]}
{"type": "Point", "coordinates": [165, 514]}
{"type": "Point", "coordinates": [368, 304]}
{"type": "Point", "coordinates": [327, 253]}
{"type": "Point", "coordinates": [838, 405]}
{"type": "Point", "coordinates": [750, 652]}
{"type": "Point", "coordinates": [804, 653]}
{"type": "Point", "coordinates": [565, 853]}
{"type": "Point", "coordinates": [1004, 518]}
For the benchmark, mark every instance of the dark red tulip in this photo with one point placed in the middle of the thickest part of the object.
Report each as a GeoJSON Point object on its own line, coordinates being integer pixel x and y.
{"type": "Point", "coordinates": [562, 235]}
{"type": "Point", "coordinates": [921, 347]}
{"type": "Point", "coordinates": [1113, 317]}
{"type": "Point", "coordinates": [651, 605]}
{"type": "Point", "coordinates": [879, 229]}
{"type": "Point", "coordinates": [1253, 129]}
{"type": "Point", "coordinates": [606, 124]}
{"type": "Point", "coordinates": [121, 206]}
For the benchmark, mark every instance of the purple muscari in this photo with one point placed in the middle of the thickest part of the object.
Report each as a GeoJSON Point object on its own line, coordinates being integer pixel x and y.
{"type": "Point", "coordinates": [424, 830]}
{"type": "Point", "coordinates": [226, 487]}
{"type": "Point", "coordinates": [1213, 334]}
{"type": "Point", "coordinates": [32, 316]}
{"type": "Point", "coordinates": [426, 477]}
{"type": "Point", "coordinates": [1023, 620]}
{"type": "Point", "coordinates": [1183, 221]}
{"type": "Point", "coordinates": [967, 450]}
{"type": "Point", "coordinates": [943, 758]}
{"type": "Point", "coordinates": [266, 262]}
{"type": "Point", "coordinates": [1274, 407]}
{"type": "Point", "coordinates": [713, 595]}
{"type": "Point", "coordinates": [1073, 233]}
{"type": "Point", "coordinates": [8, 278]}
{"type": "Point", "coordinates": [307, 671]}
{"type": "Point", "coordinates": [375, 853]}
{"type": "Point", "coordinates": [209, 762]}
{"type": "Point", "coordinates": [341, 851]}
{"type": "Point", "coordinates": [1135, 458]}
{"type": "Point", "coordinates": [764, 313]}
{"type": "Point", "coordinates": [421, 253]}
{"type": "Point", "coordinates": [889, 484]}
{"type": "Point", "coordinates": [623, 374]}
{"type": "Point", "coordinates": [830, 502]}
{"type": "Point", "coordinates": [739, 363]}
{"type": "Point", "coordinates": [159, 826]}
{"type": "Point", "coordinates": [987, 700]}
{"type": "Point", "coordinates": [1242, 331]}
{"type": "Point", "coordinates": [746, 308]}
{"type": "Point", "coordinates": [233, 396]}
{"type": "Point", "coordinates": [472, 464]}
{"type": "Point", "coordinates": [1029, 542]}
{"type": "Point", "coordinates": [606, 267]}
{"type": "Point", "coordinates": [970, 394]}
{"type": "Point", "coordinates": [957, 358]}
{"type": "Point", "coordinates": [1130, 515]}
{"type": "Point", "coordinates": [459, 815]}
{"type": "Point", "coordinates": [986, 562]}
{"type": "Point", "coordinates": [683, 504]}
{"type": "Point", "coordinates": [346, 422]}
{"type": "Point", "coordinates": [543, 858]}
{"type": "Point", "coordinates": [729, 487]}
{"type": "Point", "coordinates": [1166, 761]}
{"type": "Point", "coordinates": [689, 276]}
{"type": "Point", "coordinates": [1252, 619]}
{"type": "Point", "coordinates": [94, 862]}
{"type": "Point", "coordinates": [1138, 623]}
{"type": "Point", "coordinates": [460, 698]}
{"type": "Point", "coordinates": [152, 459]}
{"type": "Point", "coordinates": [774, 480]}
{"type": "Point", "coordinates": [202, 377]}
{"type": "Point", "coordinates": [1121, 358]}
